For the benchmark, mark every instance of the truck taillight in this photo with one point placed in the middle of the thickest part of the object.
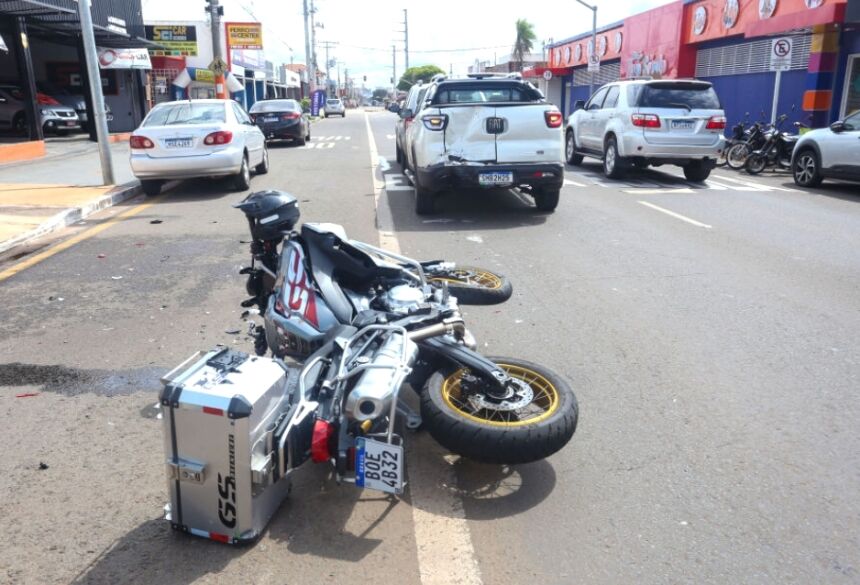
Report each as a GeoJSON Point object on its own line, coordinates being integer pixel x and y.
{"type": "Point", "coordinates": [140, 142]}
{"type": "Point", "coordinates": [716, 123]}
{"type": "Point", "coordinates": [220, 137]}
{"type": "Point", "coordinates": [645, 120]}
{"type": "Point", "coordinates": [553, 118]}
{"type": "Point", "coordinates": [435, 122]}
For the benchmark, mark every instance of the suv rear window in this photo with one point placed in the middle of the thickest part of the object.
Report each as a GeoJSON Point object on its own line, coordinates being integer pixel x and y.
{"type": "Point", "coordinates": [694, 96]}
{"type": "Point", "coordinates": [485, 93]}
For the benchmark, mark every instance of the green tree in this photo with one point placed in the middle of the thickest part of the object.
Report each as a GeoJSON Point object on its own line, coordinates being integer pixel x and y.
{"type": "Point", "coordinates": [414, 74]}
{"type": "Point", "coordinates": [524, 42]}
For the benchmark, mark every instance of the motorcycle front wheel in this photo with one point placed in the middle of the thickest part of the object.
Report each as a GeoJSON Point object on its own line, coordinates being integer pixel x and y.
{"type": "Point", "coordinates": [736, 157]}
{"type": "Point", "coordinates": [755, 164]}
{"type": "Point", "coordinates": [474, 286]}
{"type": "Point", "coordinates": [536, 417]}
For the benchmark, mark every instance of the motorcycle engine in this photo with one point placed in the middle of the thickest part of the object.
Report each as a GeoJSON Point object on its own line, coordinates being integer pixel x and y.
{"type": "Point", "coordinates": [402, 299]}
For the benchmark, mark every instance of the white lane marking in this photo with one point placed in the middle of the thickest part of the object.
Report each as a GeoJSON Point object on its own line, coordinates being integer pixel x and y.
{"type": "Point", "coordinates": [717, 186]}
{"type": "Point", "coordinates": [338, 138]}
{"type": "Point", "coordinates": [390, 136]}
{"type": "Point", "coordinates": [676, 215]}
{"type": "Point", "coordinates": [384, 165]}
{"type": "Point", "coordinates": [752, 185]}
{"type": "Point", "coordinates": [396, 182]}
{"type": "Point", "coordinates": [441, 532]}
{"type": "Point", "coordinates": [347, 137]}
{"type": "Point", "coordinates": [658, 191]}
{"type": "Point", "coordinates": [574, 183]}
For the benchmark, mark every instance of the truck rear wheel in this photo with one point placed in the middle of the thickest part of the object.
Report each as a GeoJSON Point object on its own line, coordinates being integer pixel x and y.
{"type": "Point", "coordinates": [546, 198]}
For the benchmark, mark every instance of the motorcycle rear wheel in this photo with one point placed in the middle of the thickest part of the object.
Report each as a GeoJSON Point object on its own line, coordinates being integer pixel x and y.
{"type": "Point", "coordinates": [474, 286]}
{"type": "Point", "coordinates": [755, 164]}
{"type": "Point", "coordinates": [509, 433]}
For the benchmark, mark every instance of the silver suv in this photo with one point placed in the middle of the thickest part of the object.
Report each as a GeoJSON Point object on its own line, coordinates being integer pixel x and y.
{"type": "Point", "coordinates": [641, 123]}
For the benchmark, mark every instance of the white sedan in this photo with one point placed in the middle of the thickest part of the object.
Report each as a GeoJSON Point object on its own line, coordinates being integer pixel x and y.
{"type": "Point", "coordinates": [197, 138]}
{"type": "Point", "coordinates": [826, 153]}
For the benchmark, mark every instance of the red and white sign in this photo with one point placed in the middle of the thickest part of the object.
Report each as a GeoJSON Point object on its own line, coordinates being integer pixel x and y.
{"type": "Point", "coordinates": [780, 54]}
{"type": "Point", "coordinates": [124, 59]}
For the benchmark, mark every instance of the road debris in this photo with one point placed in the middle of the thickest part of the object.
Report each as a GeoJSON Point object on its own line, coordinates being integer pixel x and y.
{"type": "Point", "coordinates": [233, 331]}
{"type": "Point", "coordinates": [27, 394]}
{"type": "Point", "coordinates": [156, 221]}
{"type": "Point", "coordinates": [116, 277]}
{"type": "Point", "coordinates": [42, 465]}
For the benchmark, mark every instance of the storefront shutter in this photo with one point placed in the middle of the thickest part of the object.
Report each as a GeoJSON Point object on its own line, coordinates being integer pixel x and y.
{"type": "Point", "coordinates": [609, 72]}
{"type": "Point", "coordinates": [751, 57]}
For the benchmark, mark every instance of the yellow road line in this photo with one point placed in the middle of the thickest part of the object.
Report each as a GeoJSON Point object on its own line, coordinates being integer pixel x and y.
{"type": "Point", "coordinates": [85, 235]}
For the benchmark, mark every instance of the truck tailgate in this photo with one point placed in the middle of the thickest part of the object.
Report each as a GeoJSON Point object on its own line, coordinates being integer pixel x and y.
{"type": "Point", "coordinates": [526, 137]}
{"type": "Point", "coordinates": [466, 135]}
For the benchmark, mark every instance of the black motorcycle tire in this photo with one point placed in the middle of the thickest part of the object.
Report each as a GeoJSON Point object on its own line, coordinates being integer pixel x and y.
{"type": "Point", "coordinates": [497, 441]}
{"type": "Point", "coordinates": [492, 288]}
{"type": "Point", "coordinates": [755, 164]}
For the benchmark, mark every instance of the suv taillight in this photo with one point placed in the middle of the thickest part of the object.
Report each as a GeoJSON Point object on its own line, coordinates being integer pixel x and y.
{"type": "Point", "coordinates": [553, 118]}
{"type": "Point", "coordinates": [434, 122]}
{"type": "Point", "coordinates": [140, 142]}
{"type": "Point", "coordinates": [645, 120]}
{"type": "Point", "coordinates": [220, 137]}
{"type": "Point", "coordinates": [716, 123]}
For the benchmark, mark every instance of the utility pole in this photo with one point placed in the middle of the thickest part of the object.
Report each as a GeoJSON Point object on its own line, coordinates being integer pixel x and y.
{"type": "Point", "coordinates": [95, 79]}
{"type": "Point", "coordinates": [406, 37]}
{"type": "Point", "coordinates": [312, 74]}
{"type": "Point", "coordinates": [313, 57]}
{"type": "Point", "coordinates": [394, 67]}
{"type": "Point", "coordinates": [328, 45]}
{"type": "Point", "coordinates": [216, 11]}
{"type": "Point", "coordinates": [593, 41]}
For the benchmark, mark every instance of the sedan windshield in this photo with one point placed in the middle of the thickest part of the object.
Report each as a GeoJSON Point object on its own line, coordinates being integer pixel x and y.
{"type": "Point", "coordinates": [275, 106]}
{"type": "Point", "coordinates": [186, 113]}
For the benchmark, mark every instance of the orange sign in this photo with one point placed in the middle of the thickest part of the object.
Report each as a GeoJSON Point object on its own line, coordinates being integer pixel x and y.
{"type": "Point", "coordinates": [244, 35]}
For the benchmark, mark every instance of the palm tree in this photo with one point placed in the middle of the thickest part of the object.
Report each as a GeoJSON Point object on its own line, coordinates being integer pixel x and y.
{"type": "Point", "coordinates": [524, 43]}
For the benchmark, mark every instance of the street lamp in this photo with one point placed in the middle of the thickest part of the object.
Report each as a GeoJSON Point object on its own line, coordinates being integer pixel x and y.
{"type": "Point", "coordinates": [593, 41]}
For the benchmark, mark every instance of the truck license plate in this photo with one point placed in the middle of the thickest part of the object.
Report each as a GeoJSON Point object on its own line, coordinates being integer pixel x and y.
{"type": "Point", "coordinates": [495, 179]}
{"type": "Point", "coordinates": [379, 466]}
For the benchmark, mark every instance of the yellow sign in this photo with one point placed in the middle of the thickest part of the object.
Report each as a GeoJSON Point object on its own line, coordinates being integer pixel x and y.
{"type": "Point", "coordinates": [244, 35]}
{"type": "Point", "coordinates": [204, 75]}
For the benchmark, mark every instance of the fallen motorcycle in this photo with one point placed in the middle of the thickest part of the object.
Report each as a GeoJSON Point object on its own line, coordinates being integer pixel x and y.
{"type": "Point", "coordinates": [361, 323]}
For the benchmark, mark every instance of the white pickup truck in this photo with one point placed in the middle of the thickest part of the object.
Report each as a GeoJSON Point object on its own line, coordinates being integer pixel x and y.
{"type": "Point", "coordinates": [485, 132]}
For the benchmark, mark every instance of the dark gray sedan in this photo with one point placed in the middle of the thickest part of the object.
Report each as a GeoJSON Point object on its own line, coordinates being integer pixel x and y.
{"type": "Point", "coordinates": [281, 120]}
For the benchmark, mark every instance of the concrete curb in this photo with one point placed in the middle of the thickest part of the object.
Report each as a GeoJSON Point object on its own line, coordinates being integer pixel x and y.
{"type": "Point", "coordinates": [67, 217]}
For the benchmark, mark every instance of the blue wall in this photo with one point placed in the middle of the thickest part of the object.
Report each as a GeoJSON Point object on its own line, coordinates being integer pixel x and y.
{"type": "Point", "coordinates": [849, 45]}
{"type": "Point", "coordinates": [753, 93]}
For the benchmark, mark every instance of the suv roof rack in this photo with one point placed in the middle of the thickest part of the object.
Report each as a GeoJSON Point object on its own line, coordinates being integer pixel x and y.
{"type": "Point", "coordinates": [438, 77]}
{"type": "Point", "coordinates": [494, 75]}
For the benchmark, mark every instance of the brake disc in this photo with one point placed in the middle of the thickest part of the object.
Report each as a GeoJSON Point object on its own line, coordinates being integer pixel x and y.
{"type": "Point", "coordinates": [520, 397]}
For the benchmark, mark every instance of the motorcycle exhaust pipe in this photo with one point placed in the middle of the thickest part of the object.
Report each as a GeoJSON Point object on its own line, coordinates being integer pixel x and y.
{"type": "Point", "coordinates": [453, 325]}
{"type": "Point", "coordinates": [371, 397]}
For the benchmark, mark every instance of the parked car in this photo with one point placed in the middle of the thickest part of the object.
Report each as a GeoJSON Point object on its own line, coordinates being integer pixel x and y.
{"type": "Point", "coordinates": [54, 116]}
{"type": "Point", "coordinates": [407, 112]}
{"type": "Point", "coordinates": [281, 120]}
{"type": "Point", "coordinates": [75, 101]}
{"type": "Point", "coordinates": [641, 123]}
{"type": "Point", "coordinates": [334, 107]}
{"type": "Point", "coordinates": [485, 131]}
{"type": "Point", "coordinates": [199, 138]}
{"type": "Point", "coordinates": [826, 153]}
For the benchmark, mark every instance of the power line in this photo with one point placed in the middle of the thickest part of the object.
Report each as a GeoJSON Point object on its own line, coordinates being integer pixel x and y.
{"type": "Point", "coordinates": [429, 50]}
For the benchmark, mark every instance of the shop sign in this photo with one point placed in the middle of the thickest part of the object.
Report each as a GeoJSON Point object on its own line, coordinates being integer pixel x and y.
{"type": "Point", "coordinates": [766, 8]}
{"type": "Point", "coordinates": [244, 35]}
{"type": "Point", "coordinates": [117, 25]}
{"type": "Point", "coordinates": [204, 75]}
{"type": "Point", "coordinates": [700, 20]}
{"type": "Point", "coordinates": [730, 13]}
{"type": "Point", "coordinates": [780, 54]}
{"type": "Point", "coordinates": [601, 45]}
{"type": "Point", "coordinates": [124, 59]}
{"type": "Point", "coordinates": [577, 52]}
{"type": "Point", "coordinates": [177, 39]}
{"type": "Point", "coordinates": [619, 40]}
{"type": "Point", "coordinates": [248, 59]}
{"type": "Point", "coordinates": [3, 46]}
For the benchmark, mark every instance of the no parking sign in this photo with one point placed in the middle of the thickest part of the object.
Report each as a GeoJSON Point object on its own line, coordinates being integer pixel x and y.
{"type": "Point", "coordinates": [780, 54]}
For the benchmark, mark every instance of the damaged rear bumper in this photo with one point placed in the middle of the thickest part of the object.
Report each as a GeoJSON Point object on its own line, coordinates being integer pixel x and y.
{"type": "Point", "coordinates": [531, 175]}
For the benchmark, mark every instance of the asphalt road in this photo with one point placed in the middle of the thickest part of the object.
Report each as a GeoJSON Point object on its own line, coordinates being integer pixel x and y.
{"type": "Point", "coordinates": [714, 349]}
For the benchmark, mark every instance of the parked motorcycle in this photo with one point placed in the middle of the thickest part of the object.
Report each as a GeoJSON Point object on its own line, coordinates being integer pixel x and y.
{"type": "Point", "coordinates": [364, 321]}
{"type": "Point", "coordinates": [751, 139]}
{"type": "Point", "coordinates": [776, 150]}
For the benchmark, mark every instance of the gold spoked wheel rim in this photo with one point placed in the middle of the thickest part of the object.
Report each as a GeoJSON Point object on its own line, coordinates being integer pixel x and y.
{"type": "Point", "coordinates": [544, 403]}
{"type": "Point", "coordinates": [471, 277]}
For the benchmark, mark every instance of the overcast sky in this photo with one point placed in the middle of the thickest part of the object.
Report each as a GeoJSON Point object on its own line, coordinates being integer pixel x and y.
{"type": "Point", "coordinates": [366, 30]}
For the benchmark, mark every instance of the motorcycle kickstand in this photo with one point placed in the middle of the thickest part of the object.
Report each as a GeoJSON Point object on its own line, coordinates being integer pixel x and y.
{"type": "Point", "coordinates": [413, 418]}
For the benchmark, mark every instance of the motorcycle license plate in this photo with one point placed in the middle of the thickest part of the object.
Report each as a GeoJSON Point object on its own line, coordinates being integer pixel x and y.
{"type": "Point", "coordinates": [379, 466]}
{"type": "Point", "coordinates": [494, 179]}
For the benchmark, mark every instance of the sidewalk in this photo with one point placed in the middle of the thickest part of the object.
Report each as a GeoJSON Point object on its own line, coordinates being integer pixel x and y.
{"type": "Point", "coordinates": [59, 189]}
